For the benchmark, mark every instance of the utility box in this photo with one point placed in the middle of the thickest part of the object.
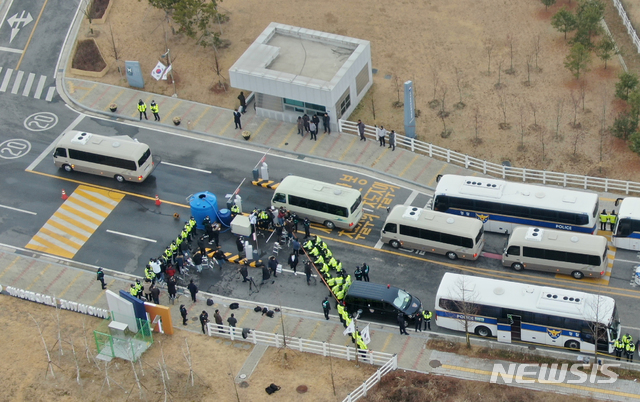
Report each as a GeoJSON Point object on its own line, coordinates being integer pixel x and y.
{"type": "Point", "coordinates": [240, 225]}
{"type": "Point", "coordinates": [264, 171]}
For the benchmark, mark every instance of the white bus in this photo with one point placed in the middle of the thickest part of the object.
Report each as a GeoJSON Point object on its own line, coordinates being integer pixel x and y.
{"type": "Point", "coordinates": [325, 203]}
{"type": "Point", "coordinates": [120, 157]}
{"type": "Point", "coordinates": [514, 311]}
{"type": "Point", "coordinates": [435, 232]}
{"type": "Point", "coordinates": [626, 233]}
{"type": "Point", "coordinates": [503, 205]}
{"type": "Point", "coordinates": [559, 251]}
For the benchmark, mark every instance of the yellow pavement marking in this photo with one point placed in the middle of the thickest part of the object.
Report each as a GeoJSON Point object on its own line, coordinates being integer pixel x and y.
{"type": "Point", "coordinates": [313, 332]}
{"type": "Point", "coordinates": [70, 284]}
{"type": "Point", "coordinates": [38, 277]}
{"type": "Point", "coordinates": [88, 92]}
{"type": "Point", "coordinates": [33, 30]}
{"type": "Point", "coordinates": [60, 238]}
{"type": "Point", "coordinates": [48, 247]}
{"type": "Point", "coordinates": [89, 207]}
{"type": "Point", "coordinates": [244, 316]}
{"type": "Point", "coordinates": [72, 222]}
{"type": "Point", "coordinates": [346, 151]}
{"type": "Point", "coordinates": [383, 153]}
{"type": "Point", "coordinates": [517, 378]}
{"type": "Point", "coordinates": [386, 342]}
{"type": "Point", "coordinates": [166, 116]}
{"type": "Point", "coordinates": [91, 195]}
{"type": "Point", "coordinates": [69, 208]}
{"type": "Point", "coordinates": [114, 99]}
{"type": "Point", "coordinates": [93, 303]}
{"type": "Point", "coordinates": [225, 128]}
{"type": "Point", "coordinates": [408, 166]}
{"type": "Point", "coordinates": [8, 267]}
{"type": "Point", "coordinates": [286, 139]}
{"type": "Point", "coordinates": [255, 133]}
{"type": "Point", "coordinates": [68, 230]}
{"type": "Point", "coordinates": [436, 175]}
{"type": "Point", "coordinates": [199, 117]}
{"type": "Point", "coordinates": [317, 142]}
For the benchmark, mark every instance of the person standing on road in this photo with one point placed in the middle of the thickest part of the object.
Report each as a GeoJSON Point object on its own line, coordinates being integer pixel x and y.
{"type": "Point", "coordinates": [326, 123]}
{"type": "Point", "coordinates": [193, 289]}
{"type": "Point", "coordinates": [236, 119]}
{"type": "Point", "coordinates": [306, 223]}
{"type": "Point", "coordinates": [300, 126]}
{"type": "Point", "coordinates": [183, 313]}
{"type": "Point", "coordinates": [612, 218]}
{"type": "Point", "coordinates": [316, 120]}
{"type": "Point", "coordinates": [232, 321]}
{"type": "Point", "coordinates": [265, 274]}
{"type": "Point", "coordinates": [142, 108]}
{"type": "Point", "coordinates": [313, 129]}
{"type": "Point", "coordinates": [305, 122]}
{"type": "Point", "coordinates": [307, 271]}
{"type": "Point", "coordinates": [326, 306]}
{"type": "Point", "coordinates": [220, 257]}
{"type": "Point", "coordinates": [360, 126]}
{"type": "Point", "coordinates": [218, 319]}
{"type": "Point", "coordinates": [358, 273]}
{"type": "Point", "coordinates": [240, 245]}
{"type": "Point", "coordinates": [604, 218]}
{"type": "Point", "coordinates": [155, 294]}
{"type": "Point", "coordinates": [293, 261]}
{"type": "Point", "coordinates": [244, 271]}
{"type": "Point", "coordinates": [171, 289]}
{"type": "Point", "coordinates": [204, 319]}
{"type": "Point", "coordinates": [426, 315]}
{"type": "Point", "coordinates": [392, 140]}
{"type": "Point", "coordinates": [100, 277]}
{"type": "Point", "coordinates": [365, 272]}
{"type": "Point", "coordinates": [402, 325]}
{"type": "Point", "coordinates": [418, 326]}
{"type": "Point", "coordinates": [243, 102]}
{"type": "Point", "coordinates": [155, 110]}
{"type": "Point", "coordinates": [273, 265]}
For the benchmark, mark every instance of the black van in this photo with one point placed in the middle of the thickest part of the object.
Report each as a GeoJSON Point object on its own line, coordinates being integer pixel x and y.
{"type": "Point", "coordinates": [377, 300]}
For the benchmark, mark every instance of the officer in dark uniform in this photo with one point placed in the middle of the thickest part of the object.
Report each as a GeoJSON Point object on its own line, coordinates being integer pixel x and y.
{"type": "Point", "coordinates": [326, 306]}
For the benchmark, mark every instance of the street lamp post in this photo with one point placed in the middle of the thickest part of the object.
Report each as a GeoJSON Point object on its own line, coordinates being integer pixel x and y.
{"type": "Point", "coordinates": [355, 325]}
{"type": "Point", "coordinates": [168, 56]}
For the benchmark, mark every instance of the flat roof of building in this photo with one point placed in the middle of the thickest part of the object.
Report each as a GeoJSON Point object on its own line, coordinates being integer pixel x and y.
{"type": "Point", "coordinates": [301, 56]}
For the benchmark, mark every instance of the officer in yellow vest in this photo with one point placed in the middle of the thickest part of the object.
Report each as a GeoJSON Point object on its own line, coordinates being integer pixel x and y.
{"type": "Point", "coordinates": [142, 108]}
{"type": "Point", "coordinates": [604, 218]}
{"type": "Point", "coordinates": [627, 339]}
{"type": "Point", "coordinates": [629, 351]}
{"type": "Point", "coordinates": [235, 210]}
{"type": "Point", "coordinates": [338, 266]}
{"type": "Point", "coordinates": [340, 309]}
{"type": "Point", "coordinates": [346, 320]}
{"type": "Point", "coordinates": [308, 245]}
{"type": "Point", "coordinates": [426, 316]}
{"type": "Point", "coordinates": [319, 260]}
{"type": "Point", "coordinates": [612, 218]}
{"type": "Point", "coordinates": [155, 109]}
{"type": "Point", "coordinates": [361, 346]}
{"type": "Point", "coordinates": [315, 252]}
{"type": "Point", "coordinates": [139, 289]}
{"type": "Point", "coordinates": [619, 347]}
{"type": "Point", "coordinates": [133, 291]}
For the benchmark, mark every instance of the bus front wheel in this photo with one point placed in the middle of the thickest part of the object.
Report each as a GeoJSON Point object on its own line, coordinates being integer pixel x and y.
{"type": "Point", "coordinates": [577, 274]}
{"type": "Point", "coordinates": [67, 168]}
{"type": "Point", "coordinates": [394, 243]}
{"type": "Point", "coordinates": [452, 256]}
{"type": "Point", "coordinates": [517, 266]}
{"type": "Point", "coordinates": [574, 345]}
{"type": "Point", "coordinates": [119, 178]}
{"type": "Point", "coordinates": [483, 331]}
{"type": "Point", "coordinates": [330, 225]}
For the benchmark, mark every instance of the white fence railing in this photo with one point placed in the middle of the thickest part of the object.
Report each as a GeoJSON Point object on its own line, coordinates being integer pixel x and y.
{"type": "Point", "coordinates": [361, 391]}
{"type": "Point", "coordinates": [627, 23]}
{"type": "Point", "coordinates": [505, 172]}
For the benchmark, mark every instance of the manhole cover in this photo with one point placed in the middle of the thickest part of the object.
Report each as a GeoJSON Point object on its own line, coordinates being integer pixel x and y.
{"type": "Point", "coordinates": [244, 384]}
{"type": "Point", "coordinates": [435, 363]}
{"type": "Point", "coordinates": [302, 389]}
{"type": "Point", "coordinates": [243, 376]}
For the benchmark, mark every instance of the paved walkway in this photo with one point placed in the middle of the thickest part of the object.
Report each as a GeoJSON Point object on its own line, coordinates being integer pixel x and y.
{"type": "Point", "coordinates": [47, 275]}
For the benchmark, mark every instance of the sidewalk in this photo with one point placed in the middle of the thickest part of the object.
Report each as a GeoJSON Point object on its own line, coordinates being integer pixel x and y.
{"type": "Point", "coordinates": [75, 282]}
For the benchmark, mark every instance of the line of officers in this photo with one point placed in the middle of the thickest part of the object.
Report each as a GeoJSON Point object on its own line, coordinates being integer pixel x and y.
{"type": "Point", "coordinates": [626, 345]}
{"type": "Point", "coordinates": [605, 218]}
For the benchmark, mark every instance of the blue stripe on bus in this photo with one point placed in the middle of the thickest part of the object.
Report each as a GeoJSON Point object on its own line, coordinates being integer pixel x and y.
{"type": "Point", "coordinates": [521, 221]}
{"type": "Point", "coordinates": [459, 316]}
{"type": "Point", "coordinates": [634, 235]}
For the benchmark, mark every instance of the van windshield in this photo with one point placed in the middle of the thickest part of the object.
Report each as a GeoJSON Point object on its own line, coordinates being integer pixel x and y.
{"type": "Point", "coordinates": [402, 300]}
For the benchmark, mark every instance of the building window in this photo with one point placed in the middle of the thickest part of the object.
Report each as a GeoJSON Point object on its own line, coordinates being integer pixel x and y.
{"type": "Point", "coordinates": [344, 103]}
{"type": "Point", "coordinates": [362, 79]}
{"type": "Point", "coordinates": [303, 107]}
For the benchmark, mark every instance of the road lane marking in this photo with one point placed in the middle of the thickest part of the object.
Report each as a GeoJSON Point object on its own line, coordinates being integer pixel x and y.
{"type": "Point", "coordinates": [50, 94]}
{"type": "Point", "coordinates": [27, 86]}
{"type": "Point", "coordinates": [24, 211]}
{"type": "Point", "coordinates": [17, 82]}
{"type": "Point", "coordinates": [40, 87]}
{"type": "Point", "coordinates": [6, 79]}
{"type": "Point", "coordinates": [132, 236]}
{"type": "Point", "coordinates": [186, 167]}
{"type": "Point", "coordinates": [411, 198]}
{"type": "Point", "coordinates": [10, 50]}
{"type": "Point", "coordinates": [378, 245]}
{"type": "Point", "coordinates": [33, 30]}
{"type": "Point", "coordinates": [71, 284]}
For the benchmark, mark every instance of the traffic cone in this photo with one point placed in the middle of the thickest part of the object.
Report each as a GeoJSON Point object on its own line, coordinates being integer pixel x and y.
{"type": "Point", "coordinates": [64, 195]}
{"type": "Point", "coordinates": [158, 202]}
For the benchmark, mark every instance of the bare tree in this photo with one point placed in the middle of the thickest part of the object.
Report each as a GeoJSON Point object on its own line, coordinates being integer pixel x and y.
{"type": "Point", "coordinates": [575, 102]}
{"type": "Point", "coordinates": [399, 87]}
{"type": "Point", "coordinates": [499, 84]}
{"type": "Point", "coordinates": [459, 82]}
{"type": "Point", "coordinates": [75, 359]}
{"type": "Point", "coordinates": [164, 383]}
{"type": "Point", "coordinates": [536, 50]}
{"type": "Point", "coordinates": [465, 304]}
{"type": "Point", "coordinates": [502, 105]}
{"type": "Point", "coordinates": [578, 136]}
{"type": "Point", "coordinates": [543, 137]}
{"type": "Point", "coordinates": [600, 309]}
{"type": "Point", "coordinates": [583, 92]}
{"type": "Point", "coordinates": [528, 60]}
{"type": "Point", "coordinates": [559, 112]}
{"type": "Point", "coordinates": [135, 374]}
{"type": "Point", "coordinates": [603, 125]}
{"type": "Point", "coordinates": [488, 47]}
{"type": "Point", "coordinates": [534, 109]}
{"type": "Point", "coordinates": [443, 97]}
{"type": "Point", "coordinates": [523, 126]}
{"type": "Point", "coordinates": [435, 80]}
{"type": "Point", "coordinates": [50, 363]}
{"type": "Point", "coordinates": [510, 43]}
{"type": "Point", "coordinates": [222, 81]}
{"type": "Point", "coordinates": [446, 132]}
{"type": "Point", "coordinates": [476, 123]}
{"type": "Point", "coordinates": [187, 357]}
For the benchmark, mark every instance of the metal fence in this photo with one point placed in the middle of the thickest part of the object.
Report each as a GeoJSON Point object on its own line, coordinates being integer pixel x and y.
{"type": "Point", "coordinates": [627, 23]}
{"type": "Point", "coordinates": [361, 391]}
{"type": "Point", "coordinates": [598, 184]}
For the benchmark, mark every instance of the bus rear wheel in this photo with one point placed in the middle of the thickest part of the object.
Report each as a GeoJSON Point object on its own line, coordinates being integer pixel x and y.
{"type": "Point", "coordinates": [119, 178]}
{"type": "Point", "coordinates": [574, 345]}
{"type": "Point", "coordinates": [67, 168]}
{"type": "Point", "coordinates": [517, 266]}
{"type": "Point", "coordinates": [483, 331]}
{"type": "Point", "coordinates": [577, 274]}
{"type": "Point", "coordinates": [452, 256]}
{"type": "Point", "coordinates": [330, 225]}
{"type": "Point", "coordinates": [394, 244]}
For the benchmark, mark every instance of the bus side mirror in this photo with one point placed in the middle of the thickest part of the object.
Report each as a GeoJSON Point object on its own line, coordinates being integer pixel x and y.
{"type": "Point", "coordinates": [384, 231]}
{"type": "Point", "coordinates": [438, 177]}
{"type": "Point", "coordinates": [618, 201]}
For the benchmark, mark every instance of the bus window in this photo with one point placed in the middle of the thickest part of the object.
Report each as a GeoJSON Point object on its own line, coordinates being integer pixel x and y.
{"type": "Point", "coordinates": [391, 227]}
{"type": "Point", "coordinates": [61, 152]}
{"type": "Point", "coordinates": [280, 197]}
{"type": "Point", "coordinates": [624, 229]}
{"type": "Point", "coordinates": [144, 157]}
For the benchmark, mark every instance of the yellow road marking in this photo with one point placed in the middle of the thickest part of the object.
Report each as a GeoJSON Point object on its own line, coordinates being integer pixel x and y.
{"type": "Point", "coordinates": [437, 174]}
{"type": "Point", "coordinates": [408, 166]}
{"type": "Point", "coordinates": [225, 128]}
{"type": "Point", "coordinates": [383, 153]}
{"type": "Point", "coordinates": [255, 134]}
{"type": "Point", "coordinates": [244, 316]}
{"type": "Point", "coordinates": [386, 342]}
{"type": "Point", "coordinates": [70, 284]}
{"type": "Point", "coordinates": [48, 247]}
{"type": "Point", "coordinates": [32, 32]}
{"type": "Point", "coordinates": [166, 116]}
{"type": "Point", "coordinates": [77, 201]}
{"type": "Point", "coordinates": [313, 148]}
{"type": "Point", "coordinates": [93, 303]}
{"type": "Point", "coordinates": [114, 99]}
{"type": "Point", "coordinates": [199, 118]}
{"type": "Point", "coordinates": [60, 238]}
{"type": "Point", "coordinates": [38, 277]}
{"type": "Point", "coordinates": [69, 208]}
{"type": "Point", "coordinates": [346, 151]}
{"type": "Point", "coordinates": [87, 93]}
{"type": "Point", "coordinates": [72, 222]}
{"type": "Point", "coordinates": [313, 332]}
{"type": "Point", "coordinates": [8, 267]}
{"type": "Point", "coordinates": [90, 194]}
{"type": "Point", "coordinates": [286, 139]}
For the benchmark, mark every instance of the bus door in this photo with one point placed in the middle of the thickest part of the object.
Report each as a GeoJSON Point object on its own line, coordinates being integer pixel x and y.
{"type": "Point", "coordinates": [516, 329]}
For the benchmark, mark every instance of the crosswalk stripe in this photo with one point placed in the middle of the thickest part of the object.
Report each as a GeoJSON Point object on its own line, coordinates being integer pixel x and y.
{"type": "Point", "coordinates": [81, 214]}
{"type": "Point", "coordinates": [17, 82]}
{"type": "Point", "coordinates": [55, 235]}
{"type": "Point", "coordinates": [99, 197]}
{"type": "Point", "coordinates": [66, 222]}
{"type": "Point", "coordinates": [40, 87]}
{"type": "Point", "coordinates": [54, 247]}
{"type": "Point", "coordinates": [5, 81]}
{"type": "Point", "coordinates": [79, 202]}
{"type": "Point", "coordinates": [65, 229]}
{"type": "Point", "coordinates": [27, 86]}
{"type": "Point", "coordinates": [97, 205]}
{"type": "Point", "coordinates": [50, 93]}
{"type": "Point", "coordinates": [78, 222]}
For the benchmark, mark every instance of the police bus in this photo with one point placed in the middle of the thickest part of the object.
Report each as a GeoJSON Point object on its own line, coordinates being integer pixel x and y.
{"type": "Point", "coordinates": [626, 233]}
{"type": "Point", "coordinates": [503, 205]}
{"type": "Point", "coordinates": [434, 232]}
{"type": "Point", "coordinates": [325, 203]}
{"type": "Point", "coordinates": [120, 157]}
{"type": "Point", "coordinates": [513, 311]}
{"type": "Point", "coordinates": [558, 251]}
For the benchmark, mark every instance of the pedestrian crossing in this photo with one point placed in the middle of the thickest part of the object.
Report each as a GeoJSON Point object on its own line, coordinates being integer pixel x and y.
{"type": "Point", "coordinates": [75, 221]}
{"type": "Point", "coordinates": [12, 80]}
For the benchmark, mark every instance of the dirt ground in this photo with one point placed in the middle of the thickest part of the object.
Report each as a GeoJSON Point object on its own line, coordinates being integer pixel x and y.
{"type": "Point", "coordinates": [216, 362]}
{"type": "Point", "coordinates": [442, 37]}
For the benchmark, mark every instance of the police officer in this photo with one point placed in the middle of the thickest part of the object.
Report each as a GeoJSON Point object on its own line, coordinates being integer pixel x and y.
{"type": "Point", "coordinates": [630, 349]}
{"type": "Point", "coordinates": [612, 218]}
{"type": "Point", "coordinates": [340, 309]}
{"type": "Point", "coordinates": [155, 109]}
{"type": "Point", "coordinates": [419, 319]}
{"type": "Point", "coordinates": [174, 251]}
{"type": "Point", "coordinates": [192, 228]}
{"type": "Point", "coordinates": [361, 346]}
{"type": "Point", "coordinates": [100, 277]}
{"type": "Point", "coordinates": [426, 315]}
{"type": "Point", "coordinates": [326, 307]}
{"type": "Point", "coordinates": [306, 223]}
{"type": "Point", "coordinates": [142, 108]}
{"type": "Point", "coordinates": [139, 289]}
{"type": "Point", "coordinates": [235, 210]}
{"type": "Point", "coordinates": [619, 347]}
{"type": "Point", "coordinates": [627, 339]}
{"type": "Point", "coordinates": [133, 291]}
{"type": "Point", "coordinates": [358, 273]}
{"type": "Point", "coordinates": [183, 313]}
{"type": "Point", "coordinates": [365, 272]}
{"type": "Point", "coordinates": [604, 218]}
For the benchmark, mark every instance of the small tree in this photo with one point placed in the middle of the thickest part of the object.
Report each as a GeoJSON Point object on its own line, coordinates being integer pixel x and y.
{"type": "Point", "coordinates": [627, 83]}
{"type": "Point", "coordinates": [606, 49]}
{"type": "Point", "coordinates": [624, 125]}
{"type": "Point", "coordinates": [476, 123]}
{"type": "Point", "coordinates": [588, 16]}
{"type": "Point", "coordinates": [577, 138]}
{"type": "Point", "coordinates": [523, 127]}
{"type": "Point", "coordinates": [536, 49]}
{"type": "Point", "coordinates": [575, 102]}
{"type": "Point", "coordinates": [559, 113]}
{"type": "Point", "coordinates": [578, 60]}
{"type": "Point", "coordinates": [528, 60]}
{"type": "Point", "coordinates": [634, 102]}
{"type": "Point", "coordinates": [465, 304]}
{"type": "Point", "coordinates": [488, 47]}
{"type": "Point", "coordinates": [499, 83]}
{"type": "Point", "coordinates": [534, 110]}
{"type": "Point", "coordinates": [543, 138]}
{"type": "Point", "coordinates": [548, 3]}
{"type": "Point", "coordinates": [435, 80]}
{"type": "Point", "coordinates": [502, 105]}
{"type": "Point", "coordinates": [459, 82]}
{"type": "Point", "coordinates": [600, 310]}
{"type": "Point", "coordinates": [510, 43]}
{"type": "Point", "coordinates": [564, 21]}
